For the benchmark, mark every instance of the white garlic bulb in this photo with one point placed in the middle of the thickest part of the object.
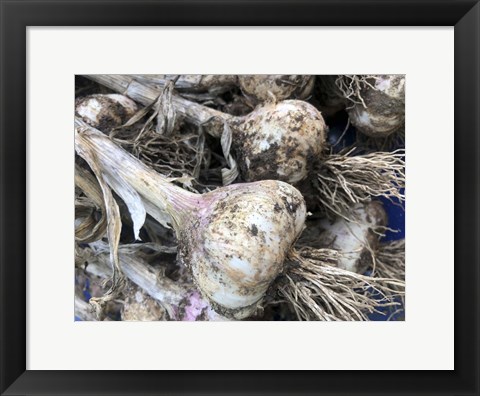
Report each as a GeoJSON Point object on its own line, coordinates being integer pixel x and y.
{"type": "Point", "coordinates": [355, 239]}
{"type": "Point", "coordinates": [383, 109]}
{"type": "Point", "coordinates": [279, 141]}
{"type": "Point", "coordinates": [105, 111]}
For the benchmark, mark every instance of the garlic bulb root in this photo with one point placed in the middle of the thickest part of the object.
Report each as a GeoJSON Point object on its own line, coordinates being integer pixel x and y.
{"type": "Point", "coordinates": [344, 180]}
{"type": "Point", "coordinates": [390, 261]}
{"type": "Point", "coordinates": [317, 289]}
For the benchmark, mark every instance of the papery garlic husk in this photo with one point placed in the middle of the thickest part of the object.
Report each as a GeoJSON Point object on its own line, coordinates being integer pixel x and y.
{"type": "Point", "coordinates": [383, 109]}
{"type": "Point", "coordinates": [265, 87]}
{"type": "Point", "coordinates": [279, 141]}
{"type": "Point", "coordinates": [357, 240]}
{"type": "Point", "coordinates": [105, 111]}
{"type": "Point", "coordinates": [234, 239]}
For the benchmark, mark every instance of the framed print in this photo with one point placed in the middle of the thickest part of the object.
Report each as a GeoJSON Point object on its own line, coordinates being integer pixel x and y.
{"type": "Point", "coordinates": [61, 55]}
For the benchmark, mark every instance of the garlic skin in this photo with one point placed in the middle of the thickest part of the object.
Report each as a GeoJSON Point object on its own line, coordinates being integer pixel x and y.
{"type": "Point", "coordinates": [238, 243]}
{"type": "Point", "coordinates": [385, 107]}
{"type": "Point", "coordinates": [265, 87]}
{"type": "Point", "coordinates": [354, 238]}
{"type": "Point", "coordinates": [279, 141]}
{"type": "Point", "coordinates": [105, 111]}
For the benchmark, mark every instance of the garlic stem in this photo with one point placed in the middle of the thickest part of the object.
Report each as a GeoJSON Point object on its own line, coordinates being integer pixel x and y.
{"type": "Point", "coordinates": [153, 187]}
{"type": "Point", "coordinates": [146, 95]}
{"type": "Point", "coordinates": [191, 82]}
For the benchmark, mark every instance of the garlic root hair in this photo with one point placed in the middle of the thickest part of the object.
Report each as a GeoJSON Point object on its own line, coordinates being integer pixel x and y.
{"type": "Point", "coordinates": [390, 262]}
{"type": "Point", "coordinates": [343, 180]}
{"type": "Point", "coordinates": [351, 86]}
{"type": "Point", "coordinates": [317, 290]}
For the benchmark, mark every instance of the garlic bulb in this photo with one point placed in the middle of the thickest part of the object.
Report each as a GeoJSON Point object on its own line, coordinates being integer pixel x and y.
{"type": "Point", "coordinates": [276, 141]}
{"type": "Point", "coordinates": [238, 244]}
{"type": "Point", "coordinates": [356, 239]}
{"type": "Point", "coordinates": [234, 239]}
{"type": "Point", "coordinates": [279, 141]}
{"type": "Point", "coordinates": [105, 111]}
{"type": "Point", "coordinates": [264, 87]}
{"type": "Point", "coordinates": [380, 106]}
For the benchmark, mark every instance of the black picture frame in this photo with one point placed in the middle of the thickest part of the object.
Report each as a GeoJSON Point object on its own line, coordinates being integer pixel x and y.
{"type": "Point", "coordinates": [16, 15]}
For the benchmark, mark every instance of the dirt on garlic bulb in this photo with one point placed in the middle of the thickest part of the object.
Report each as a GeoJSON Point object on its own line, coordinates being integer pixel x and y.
{"type": "Point", "coordinates": [379, 110]}
{"type": "Point", "coordinates": [279, 141]}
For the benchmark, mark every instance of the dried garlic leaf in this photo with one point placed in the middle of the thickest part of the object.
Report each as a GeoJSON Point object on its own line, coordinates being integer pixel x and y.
{"type": "Point", "coordinates": [114, 224]}
{"type": "Point", "coordinates": [228, 174]}
{"type": "Point", "coordinates": [132, 200]}
{"type": "Point", "coordinates": [115, 176]}
{"type": "Point", "coordinates": [87, 228]}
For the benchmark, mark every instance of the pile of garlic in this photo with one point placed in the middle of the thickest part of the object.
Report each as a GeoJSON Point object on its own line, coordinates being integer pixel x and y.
{"type": "Point", "coordinates": [269, 223]}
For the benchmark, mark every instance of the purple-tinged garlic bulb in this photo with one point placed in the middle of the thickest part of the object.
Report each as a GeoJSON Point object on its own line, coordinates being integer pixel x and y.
{"type": "Point", "coordinates": [105, 111]}
{"type": "Point", "coordinates": [265, 87]}
{"type": "Point", "coordinates": [238, 244]}
{"type": "Point", "coordinates": [356, 239]}
{"type": "Point", "coordinates": [234, 239]}
{"type": "Point", "coordinates": [379, 108]}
